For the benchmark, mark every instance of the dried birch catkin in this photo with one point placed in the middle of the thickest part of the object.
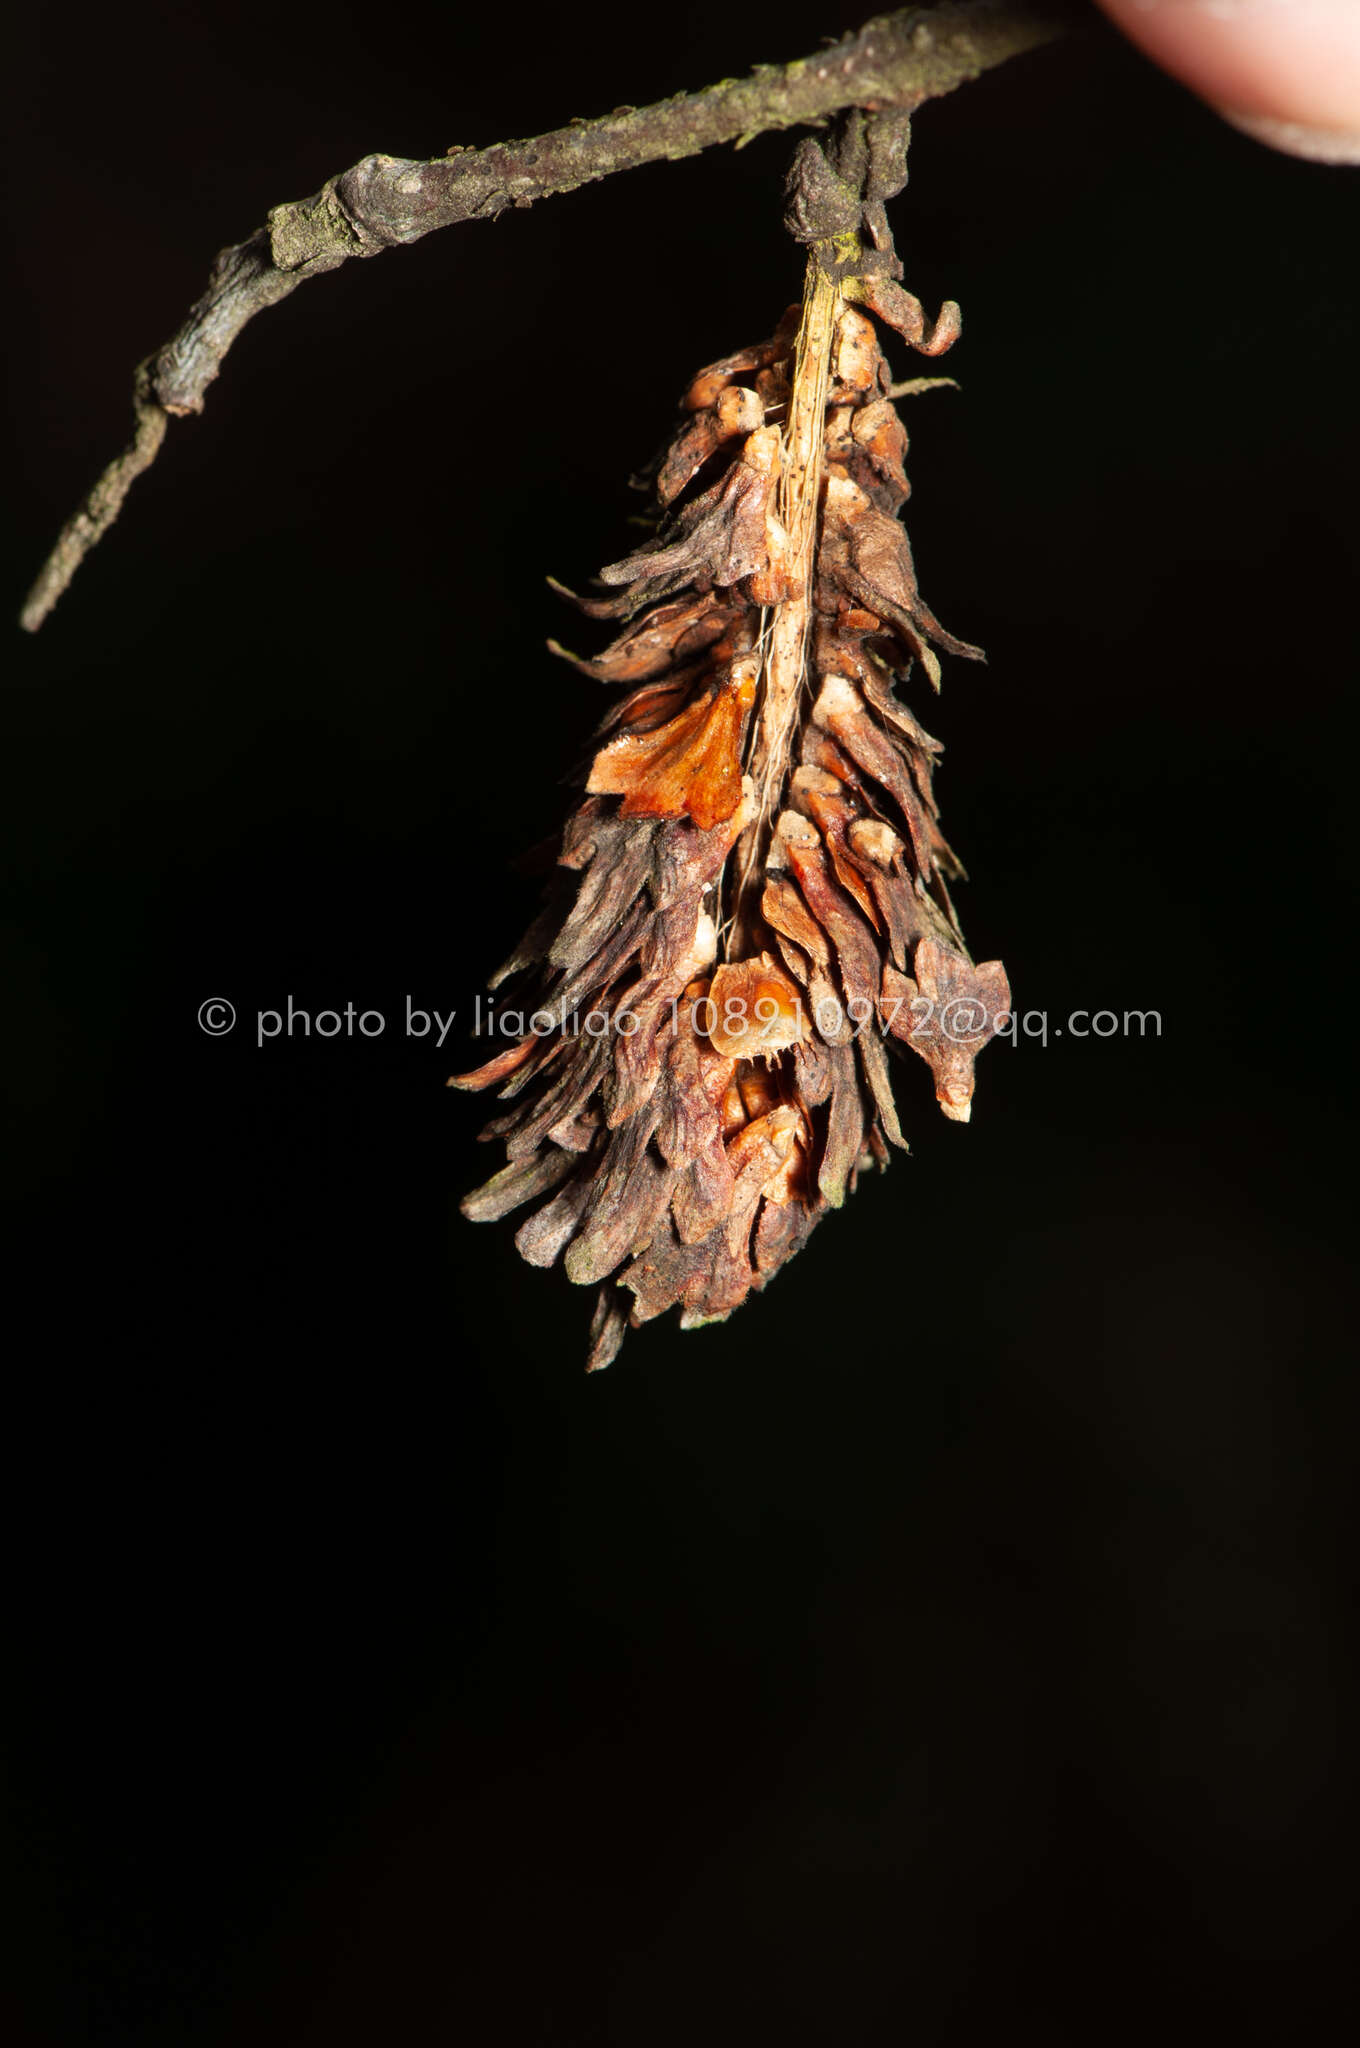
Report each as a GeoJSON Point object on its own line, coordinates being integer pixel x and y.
{"type": "Point", "coordinates": [752, 901]}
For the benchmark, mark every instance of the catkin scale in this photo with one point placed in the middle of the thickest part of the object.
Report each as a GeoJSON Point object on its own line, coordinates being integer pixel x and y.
{"type": "Point", "coordinates": [751, 905]}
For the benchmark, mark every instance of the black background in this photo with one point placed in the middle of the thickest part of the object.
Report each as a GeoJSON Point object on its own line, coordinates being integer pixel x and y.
{"type": "Point", "coordinates": [960, 1638]}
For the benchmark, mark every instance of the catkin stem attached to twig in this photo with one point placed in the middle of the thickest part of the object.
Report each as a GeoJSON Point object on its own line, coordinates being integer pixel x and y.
{"type": "Point", "coordinates": [783, 675]}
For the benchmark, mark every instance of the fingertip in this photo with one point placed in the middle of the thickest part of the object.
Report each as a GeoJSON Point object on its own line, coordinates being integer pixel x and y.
{"type": "Point", "coordinates": [1286, 72]}
{"type": "Point", "coordinates": [1294, 138]}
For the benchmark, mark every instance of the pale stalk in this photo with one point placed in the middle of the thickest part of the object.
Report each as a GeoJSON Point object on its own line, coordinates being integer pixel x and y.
{"type": "Point", "coordinates": [798, 504]}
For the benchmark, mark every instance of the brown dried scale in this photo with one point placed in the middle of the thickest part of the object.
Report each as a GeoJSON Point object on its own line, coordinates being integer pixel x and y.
{"type": "Point", "coordinates": [696, 1080]}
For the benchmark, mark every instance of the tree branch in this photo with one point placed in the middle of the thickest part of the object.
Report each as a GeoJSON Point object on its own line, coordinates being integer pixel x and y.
{"type": "Point", "coordinates": [384, 202]}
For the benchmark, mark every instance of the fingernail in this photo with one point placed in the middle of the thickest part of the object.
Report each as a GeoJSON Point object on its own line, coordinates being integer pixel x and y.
{"type": "Point", "coordinates": [1297, 138]}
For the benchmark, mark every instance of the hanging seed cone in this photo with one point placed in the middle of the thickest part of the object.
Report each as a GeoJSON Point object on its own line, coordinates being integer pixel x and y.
{"type": "Point", "coordinates": [752, 904]}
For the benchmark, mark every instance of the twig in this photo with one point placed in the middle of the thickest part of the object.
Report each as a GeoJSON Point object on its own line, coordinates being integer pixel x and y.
{"type": "Point", "coordinates": [384, 202]}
